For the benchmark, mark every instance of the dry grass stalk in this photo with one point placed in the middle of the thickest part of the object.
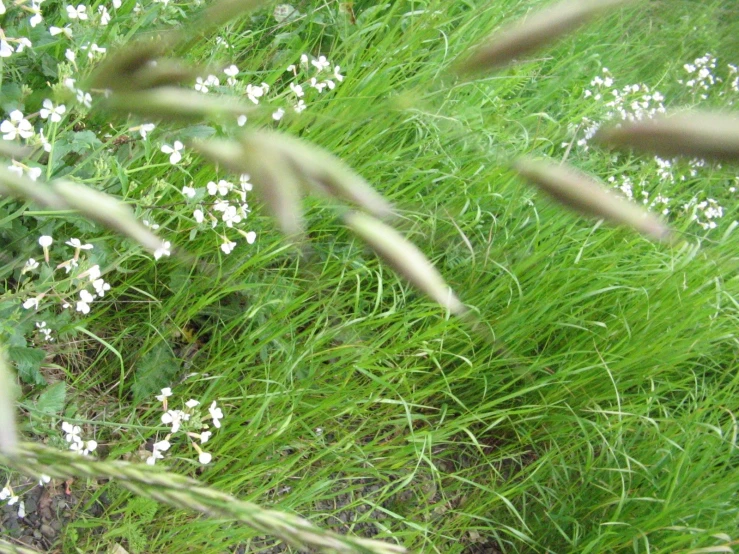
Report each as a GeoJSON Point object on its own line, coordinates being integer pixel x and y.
{"type": "Point", "coordinates": [173, 103]}
{"type": "Point", "coordinates": [183, 492]}
{"type": "Point", "coordinates": [584, 194]}
{"type": "Point", "coordinates": [10, 548]}
{"type": "Point", "coordinates": [274, 179]}
{"type": "Point", "coordinates": [322, 171]}
{"type": "Point", "coordinates": [709, 135]}
{"type": "Point", "coordinates": [523, 37]}
{"type": "Point", "coordinates": [8, 438]}
{"type": "Point", "coordinates": [107, 211]}
{"type": "Point", "coordinates": [405, 258]}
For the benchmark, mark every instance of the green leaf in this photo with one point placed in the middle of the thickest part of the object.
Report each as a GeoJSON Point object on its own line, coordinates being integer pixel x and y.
{"type": "Point", "coordinates": [156, 370]}
{"type": "Point", "coordinates": [51, 401]}
{"type": "Point", "coordinates": [28, 363]}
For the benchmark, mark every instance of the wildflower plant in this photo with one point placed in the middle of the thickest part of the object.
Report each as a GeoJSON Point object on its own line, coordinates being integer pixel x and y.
{"type": "Point", "coordinates": [210, 137]}
{"type": "Point", "coordinates": [189, 422]}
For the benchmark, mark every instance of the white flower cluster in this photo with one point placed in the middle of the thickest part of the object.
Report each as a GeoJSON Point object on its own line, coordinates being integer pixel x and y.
{"type": "Point", "coordinates": [92, 275]}
{"type": "Point", "coordinates": [704, 213]}
{"type": "Point", "coordinates": [12, 498]}
{"type": "Point", "coordinates": [700, 75]}
{"type": "Point", "coordinates": [76, 444]}
{"type": "Point", "coordinates": [190, 422]}
{"type": "Point", "coordinates": [630, 103]}
{"type": "Point", "coordinates": [227, 207]}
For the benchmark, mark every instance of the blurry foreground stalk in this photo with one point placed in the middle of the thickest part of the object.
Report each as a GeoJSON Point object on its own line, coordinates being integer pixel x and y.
{"type": "Point", "coordinates": [183, 492]}
{"type": "Point", "coordinates": [8, 438]}
{"type": "Point", "coordinates": [10, 548]}
{"type": "Point", "coordinates": [93, 204]}
{"type": "Point", "coordinates": [534, 31]}
{"type": "Point", "coordinates": [587, 196]}
{"type": "Point", "coordinates": [709, 135]}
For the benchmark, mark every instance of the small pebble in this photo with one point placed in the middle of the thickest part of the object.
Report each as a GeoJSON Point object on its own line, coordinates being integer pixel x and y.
{"type": "Point", "coordinates": [47, 531]}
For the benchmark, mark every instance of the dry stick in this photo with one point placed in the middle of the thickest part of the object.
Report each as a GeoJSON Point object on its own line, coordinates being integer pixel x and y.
{"type": "Point", "coordinates": [182, 492]}
{"type": "Point", "coordinates": [533, 32]}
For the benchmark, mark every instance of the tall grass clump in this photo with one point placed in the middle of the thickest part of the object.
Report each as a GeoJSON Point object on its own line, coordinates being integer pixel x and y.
{"type": "Point", "coordinates": [273, 277]}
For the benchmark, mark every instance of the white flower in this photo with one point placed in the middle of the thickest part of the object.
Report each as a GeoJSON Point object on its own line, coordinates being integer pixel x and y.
{"type": "Point", "coordinates": [216, 414]}
{"type": "Point", "coordinates": [251, 236]}
{"type": "Point", "coordinates": [69, 83]}
{"type": "Point", "coordinates": [244, 181]}
{"type": "Point", "coordinates": [90, 446]}
{"type": "Point", "coordinates": [277, 114]}
{"type": "Point", "coordinates": [23, 42]}
{"type": "Point", "coordinates": [155, 455]}
{"type": "Point", "coordinates": [201, 85]}
{"type": "Point", "coordinates": [5, 493]}
{"type": "Point", "coordinates": [192, 403]}
{"type": "Point", "coordinates": [80, 12]}
{"type": "Point", "coordinates": [222, 187]}
{"type": "Point", "coordinates": [227, 248]}
{"type": "Point", "coordinates": [100, 287]}
{"type": "Point", "coordinates": [166, 392]}
{"type": "Point", "coordinates": [13, 499]}
{"type": "Point", "coordinates": [45, 241]}
{"type": "Point", "coordinates": [188, 191]}
{"type": "Point", "coordinates": [173, 418]}
{"type": "Point", "coordinates": [66, 31]}
{"type": "Point", "coordinates": [104, 15]}
{"type": "Point", "coordinates": [321, 63]}
{"type": "Point", "coordinates": [145, 129]}
{"type": "Point", "coordinates": [16, 126]}
{"type": "Point", "coordinates": [231, 71]}
{"type": "Point", "coordinates": [205, 458]}
{"type": "Point", "coordinates": [72, 431]}
{"type": "Point", "coordinates": [5, 49]}
{"type": "Point", "coordinates": [77, 244]}
{"type": "Point", "coordinates": [93, 273]}
{"type": "Point", "coordinates": [316, 85]}
{"type": "Point", "coordinates": [37, 17]}
{"type": "Point", "coordinates": [174, 151]}
{"type": "Point", "coordinates": [300, 106]}
{"type": "Point", "coordinates": [254, 93]}
{"type": "Point", "coordinates": [43, 480]}
{"type": "Point", "coordinates": [241, 120]}
{"type": "Point", "coordinates": [31, 303]}
{"type": "Point", "coordinates": [71, 56]}
{"type": "Point", "coordinates": [291, 68]}
{"type": "Point", "coordinates": [22, 505]}
{"type": "Point", "coordinates": [31, 264]}
{"type": "Point", "coordinates": [338, 76]}
{"type": "Point", "coordinates": [297, 90]}
{"type": "Point", "coordinates": [162, 445]}
{"type": "Point", "coordinates": [84, 98]}
{"type": "Point", "coordinates": [303, 59]}
{"type": "Point", "coordinates": [83, 304]}
{"type": "Point", "coordinates": [231, 216]}
{"type": "Point", "coordinates": [199, 216]}
{"type": "Point", "coordinates": [163, 250]}
{"type": "Point", "coordinates": [204, 436]}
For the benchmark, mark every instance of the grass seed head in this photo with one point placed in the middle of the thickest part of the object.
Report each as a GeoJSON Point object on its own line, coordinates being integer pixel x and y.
{"type": "Point", "coordinates": [587, 196]}
{"type": "Point", "coordinates": [325, 173]}
{"type": "Point", "coordinates": [709, 135]}
{"type": "Point", "coordinates": [173, 103]}
{"type": "Point", "coordinates": [405, 258]}
{"type": "Point", "coordinates": [523, 37]}
{"type": "Point", "coordinates": [107, 211]}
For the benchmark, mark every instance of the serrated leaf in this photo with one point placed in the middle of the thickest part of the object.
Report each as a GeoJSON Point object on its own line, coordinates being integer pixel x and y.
{"type": "Point", "coordinates": [51, 401]}
{"type": "Point", "coordinates": [156, 370]}
{"type": "Point", "coordinates": [28, 363]}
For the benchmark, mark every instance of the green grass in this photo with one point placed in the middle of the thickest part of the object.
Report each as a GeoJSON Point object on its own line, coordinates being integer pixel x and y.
{"type": "Point", "coordinates": [610, 428]}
